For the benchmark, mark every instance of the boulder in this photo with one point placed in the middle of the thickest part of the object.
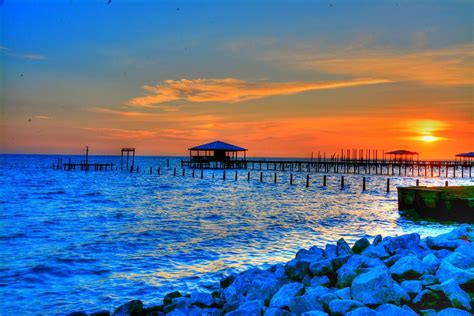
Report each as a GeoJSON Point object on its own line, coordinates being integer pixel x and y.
{"type": "Point", "coordinates": [430, 299]}
{"type": "Point", "coordinates": [297, 269]}
{"type": "Point", "coordinates": [353, 267]}
{"type": "Point", "coordinates": [447, 271]}
{"type": "Point", "coordinates": [342, 248]}
{"type": "Point", "coordinates": [407, 267]}
{"type": "Point", "coordinates": [456, 295]}
{"type": "Point", "coordinates": [317, 291]}
{"type": "Point", "coordinates": [462, 258]}
{"type": "Point", "coordinates": [453, 312]}
{"type": "Point", "coordinates": [431, 263]}
{"type": "Point", "coordinates": [276, 312]}
{"type": "Point", "coordinates": [344, 294]}
{"type": "Point", "coordinates": [377, 251]}
{"type": "Point", "coordinates": [428, 279]}
{"type": "Point", "coordinates": [134, 307]}
{"type": "Point", "coordinates": [341, 307]}
{"type": "Point", "coordinates": [285, 293]}
{"type": "Point", "coordinates": [314, 313]}
{"type": "Point", "coordinates": [170, 296]}
{"type": "Point", "coordinates": [339, 261]}
{"type": "Point", "coordinates": [377, 240]}
{"type": "Point", "coordinates": [428, 312]}
{"type": "Point", "coordinates": [311, 255]}
{"type": "Point", "coordinates": [408, 241]}
{"type": "Point", "coordinates": [375, 286]}
{"type": "Point", "coordinates": [225, 282]}
{"type": "Point", "coordinates": [263, 288]}
{"type": "Point", "coordinates": [330, 251]}
{"type": "Point", "coordinates": [360, 245]}
{"type": "Point", "coordinates": [326, 299]}
{"type": "Point", "coordinates": [201, 299]}
{"type": "Point", "coordinates": [412, 286]}
{"type": "Point", "coordinates": [458, 237]}
{"type": "Point", "coordinates": [392, 310]}
{"type": "Point", "coordinates": [320, 280]}
{"type": "Point", "coordinates": [305, 303]}
{"type": "Point", "coordinates": [320, 267]}
{"type": "Point", "coordinates": [362, 311]}
{"type": "Point", "coordinates": [250, 308]}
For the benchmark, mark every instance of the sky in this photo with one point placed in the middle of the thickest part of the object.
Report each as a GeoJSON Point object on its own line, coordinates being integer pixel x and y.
{"type": "Point", "coordinates": [281, 78]}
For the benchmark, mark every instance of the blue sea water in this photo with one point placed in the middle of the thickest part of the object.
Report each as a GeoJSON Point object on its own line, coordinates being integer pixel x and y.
{"type": "Point", "coordinates": [90, 241]}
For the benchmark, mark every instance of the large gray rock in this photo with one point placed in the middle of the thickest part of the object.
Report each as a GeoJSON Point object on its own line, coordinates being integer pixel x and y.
{"type": "Point", "coordinates": [431, 263]}
{"type": "Point", "coordinates": [250, 308]}
{"type": "Point", "coordinates": [326, 299]}
{"type": "Point", "coordinates": [314, 313]}
{"type": "Point", "coordinates": [447, 271]}
{"type": "Point", "coordinates": [458, 237]}
{"type": "Point", "coordinates": [285, 293]}
{"type": "Point", "coordinates": [453, 312]}
{"type": "Point", "coordinates": [462, 258]}
{"type": "Point", "coordinates": [297, 269]}
{"type": "Point", "coordinates": [320, 280]}
{"type": "Point", "coordinates": [330, 251]}
{"type": "Point", "coordinates": [377, 251]}
{"type": "Point", "coordinates": [344, 294]}
{"type": "Point", "coordinates": [305, 303]}
{"type": "Point", "coordinates": [356, 265]}
{"type": "Point", "coordinates": [342, 248]}
{"type": "Point", "coordinates": [412, 286]}
{"type": "Point", "coordinates": [392, 310]}
{"type": "Point", "coordinates": [320, 267]}
{"type": "Point", "coordinates": [360, 245]}
{"type": "Point", "coordinates": [341, 307]}
{"type": "Point", "coordinates": [374, 287]}
{"type": "Point", "coordinates": [263, 288]}
{"type": "Point", "coordinates": [408, 242]}
{"type": "Point", "coordinates": [134, 307]}
{"type": "Point", "coordinates": [362, 311]}
{"type": "Point", "coordinates": [201, 299]}
{"type": "Point", "coordinates": [241, 284]}
{"type": "Point", "coordinates": [407, 267]}
{"type": "Point", "coordinates": [313, 254]}
{"type": "Point", "coordinates": [456, 295]}
{"type": "Point", "coordinates": [276, 312]}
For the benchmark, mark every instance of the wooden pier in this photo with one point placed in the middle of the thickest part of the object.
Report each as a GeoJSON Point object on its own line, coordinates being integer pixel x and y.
{"type": "Point", "coordinates": [405, 168]}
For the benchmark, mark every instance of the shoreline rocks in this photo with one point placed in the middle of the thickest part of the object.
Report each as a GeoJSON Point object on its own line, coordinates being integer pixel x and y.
{"type": "Point", "coordinates": [403, 275]}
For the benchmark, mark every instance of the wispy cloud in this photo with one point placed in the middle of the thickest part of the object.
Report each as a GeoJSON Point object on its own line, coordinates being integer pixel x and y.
{"type": "Point", "coordinates": [29, 56]}
{"type": "Point", "coordinates": [233, 90]}
{"type": "Point", "coordinates": [444, 66]}
{"type": "Point", "coordinates": [117, 133]}
{"type": "Point", "coordinates": [42, 117]}
{"type": "Point", "coordinates": [123, 112]}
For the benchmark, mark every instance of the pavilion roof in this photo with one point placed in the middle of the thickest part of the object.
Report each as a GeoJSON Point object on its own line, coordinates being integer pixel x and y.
{"type": "Point", "coordinates": [466, 155]}
{"type": "Point", "coordinates": [402, 152]}
{"type": "Point", "coordinates": [218, 145]}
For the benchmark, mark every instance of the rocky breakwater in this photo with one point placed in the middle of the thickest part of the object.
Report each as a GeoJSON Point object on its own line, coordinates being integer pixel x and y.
{"type": "Point", "coordinates": [403, 275]}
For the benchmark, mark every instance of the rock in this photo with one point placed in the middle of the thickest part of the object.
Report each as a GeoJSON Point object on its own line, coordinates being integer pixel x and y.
{"type": "Point", "coordinates": [447, 271]}
{"type": "Point", "coordinates": [431, 263]}
{"type": "Point", "coordinates": [353, 267]}
{"type": "Point", "coordinates": [305, 303]}
{"type": "Point", "coordinates": [201, 299]}
{"type": "Point", "coordinates": [390, 261]}
{"type": "Point", "coordinates": [453, 312]}
{"type": "Point", "coordinates": [344, 294]}
{"type": "Point", "coordinates": [362, 311]}
{"type": "Point", "coordinates": [342, 248]}
{"type": "Point", "coordinates": [392, 310]}
{"type": "Point", "coordinates": [77, 314]}
{"type": "Point", "coordinates": [321, 267]}
{"type": "Point", "coordinates": [376, 252]}
{"type": "Point", "coordinates": [134, 307]}
{"type": "Point", "coordinates": [341, 307]}
{"type": "Point", "coordinates": [462, 258]}
{"type": "Point", "coordinates": [428, 279]}
{"type": "Point", "coordinates": [276, 312]}
{"type": "Point", "coordinates": [458, 237]}
{"type": "Point", "coordinates": [408, 241]}
{"type": "Point", "coordinates": [442, 253]}
{"type": "Point", "coordinates": [320, 280]}
{"type": "Point", "coordinates": [285, 293]}
{"type": "Point", "coordinates": [330, 251]}
{"type": "Point", "coordinates": [250, 308]}
{"type": "Point", "coordinates": [297, 269]}
{"type": "Point", "coordinates": [263, 288]}
{"type": "Point", "coordinates": [170, 296]}
{"type": "Point", "coordinates": [412, 286]}
{"type": "Point", "coordinates": [314, 313]}
{"type": "Point", "coordinates": [456, 295]}
{"type": "Point", "coordinates": [407, 267]}
{"type": "Point", "coordinates": [377, 240]}
{"type": "Point", "coordinates": [327, 298]}
{"type": "Point", "coordinates": [225, 282]}
{"type": "Point", "coordinates": [399, 294]}
{"type": "Point", "coordinates": [317, 291]}
{"type": "Point", "coordinates": [430, 299]}
{"type": "Point", "coordinates": [313, 254]}
{"type": "Point", "coordinates": [101, 313]}
{"type": "Point", "coordinates": [339, 261]}
{"type": "Point", "coordinates": [428, 312]}
{"type": "Point", "coordinates": [374, 286]}
{"type": "Point", "coordinates": [360, 245]}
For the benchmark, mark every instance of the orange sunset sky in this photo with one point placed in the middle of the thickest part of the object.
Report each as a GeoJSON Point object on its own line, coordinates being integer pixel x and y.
{"type": "Point", "coordinates": [281, 78]}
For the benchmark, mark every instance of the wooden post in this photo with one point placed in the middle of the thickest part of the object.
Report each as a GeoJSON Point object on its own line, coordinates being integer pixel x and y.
{"type": "Point", "coordinates": [275, 178]}
{"type": "Point", "coordinates": [131, 168]}
{"type": "Point", "coordinates": [151, 170]}
{"type": "Point", "coordinates": [184, 172]}
{"type": "Point", "coordinates": [235, 175]}
{"type": "Point", "coordinates": [168, 163]}
{"type": "Point", "coordinates": [324, 180]}
{"type": "Point", "coordinates": [363, 184]}
{"type": "Point", "coordinates": [202, 173]}
{"type": "Point", "coordinates": [342, 182]}
{"type": "Point", "coordinates": [388, 185]}
{"type": "Point", "coordinates": [417, 182]}
{"type": "Point", "coordinates": [138, 169]}
{"type": "Point", "coordinates": [261, 176]}
{"type": "Point", "coordinates": [223, 175]}
{"type": "Point", "coordinates": [248, 176]}
{"type": "Point", "coordinates": [291, 179]}
{"type": "Point", "coordinates": [174, 172]}
{"type": "Point", "coordinates": [193, 172]}
{"type": "Point", "coordinates": [446, 183]}
{"type": "Point", "coordinates": [307, 180]}
{"type": "Point", "coordinates": [159, 170]}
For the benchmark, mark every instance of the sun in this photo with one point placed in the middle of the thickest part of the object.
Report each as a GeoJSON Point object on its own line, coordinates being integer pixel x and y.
{"type": "Point", "coordinates": [429, 138]}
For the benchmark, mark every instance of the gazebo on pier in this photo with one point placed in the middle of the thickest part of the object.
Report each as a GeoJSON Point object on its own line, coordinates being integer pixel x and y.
{"type": "Point", "coordinates": [468, 157]}
{"type": "Point", "coordinates": [217, 155]}
{"type": "Point", "coordinates": [402, 155]}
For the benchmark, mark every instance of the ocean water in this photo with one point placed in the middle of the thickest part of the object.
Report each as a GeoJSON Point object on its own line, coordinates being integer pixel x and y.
{"type": "Point", "coordinates": [89, 241]}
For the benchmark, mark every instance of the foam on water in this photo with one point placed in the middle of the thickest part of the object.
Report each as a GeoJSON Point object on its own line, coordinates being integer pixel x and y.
{"type": "Point", "coordinates": [93, 240]}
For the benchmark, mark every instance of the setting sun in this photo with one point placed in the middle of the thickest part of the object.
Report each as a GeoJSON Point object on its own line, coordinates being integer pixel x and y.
{"type": "Point", "coordinates": [429, 138]}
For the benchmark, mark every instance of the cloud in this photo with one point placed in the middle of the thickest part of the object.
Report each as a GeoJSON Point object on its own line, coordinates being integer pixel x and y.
{"type": "Point", "coordinates": [445, 66]}
{"type": "Point", "coordinates": [233, 90]}
{"type": "Point", "coordinates": [42, 117]}
{"type": "Point", "coordinates": [117, 133]}
{"type": "Point", "coordinates": [8, 52]}
{"type": "Point", "coordinates": [123, 113]}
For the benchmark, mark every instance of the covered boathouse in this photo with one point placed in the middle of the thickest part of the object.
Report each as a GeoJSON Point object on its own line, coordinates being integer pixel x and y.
{"type": "Point", "coordinates": [217, 155]}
